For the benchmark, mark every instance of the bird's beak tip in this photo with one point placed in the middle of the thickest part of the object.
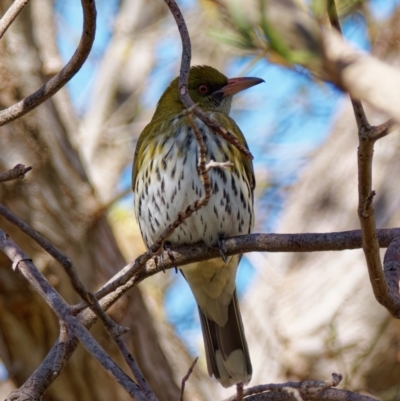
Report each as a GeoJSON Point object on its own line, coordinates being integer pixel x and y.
{"type": "Point", "coordinates": [236, 85]}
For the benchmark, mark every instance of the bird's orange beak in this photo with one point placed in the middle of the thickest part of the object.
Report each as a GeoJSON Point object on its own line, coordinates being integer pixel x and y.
{"type": "Point", "coordinates": [236, 85]}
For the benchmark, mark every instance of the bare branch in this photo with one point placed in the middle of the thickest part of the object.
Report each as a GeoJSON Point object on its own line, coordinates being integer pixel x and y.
{"type": "Point", "coordinates": [183, 82]}
{"type": "Point", "coordinates": [137, 373]}
{"type": "Point", "coordinates": [24, 265]}
{"type": "Point", "coordinates": [186, 377]}
{"type": "Point", "coordinates": [366, 211]}
{"type": "Point", "coordinates": [188, 254]}
{"type": "Point", "coordinates": [11, 14]}
{"type": "Point", "coordinates": [382, 130]}
{"type": "Point", "coordinates": [331, 394]}
{"type": "Point", "coordinates": [17, 171]}
{"type": "Point", "coordinates": [296, 38]}
{"type": "Point", "coordinates": [134, 273]}
{"type": "Point", "coordinates": [58, 81]}
{"type": "Point", "coordinates": [295, 390]}
{"type": "Point", "coordinates": [62, 339]}
{"type": "Point", "coordinates": [114, 330]}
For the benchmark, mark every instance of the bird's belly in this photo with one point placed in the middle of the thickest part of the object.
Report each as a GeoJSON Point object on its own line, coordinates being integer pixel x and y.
{"type": "Point", "coordinates": [169, 182]}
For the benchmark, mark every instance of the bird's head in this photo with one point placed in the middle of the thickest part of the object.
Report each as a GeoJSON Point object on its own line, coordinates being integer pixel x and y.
{"type": "Point", "coordinates": [209, 88]}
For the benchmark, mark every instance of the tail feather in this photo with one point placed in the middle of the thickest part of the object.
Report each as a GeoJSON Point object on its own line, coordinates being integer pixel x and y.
{"type": "Point", "coordinates": [226, 347]}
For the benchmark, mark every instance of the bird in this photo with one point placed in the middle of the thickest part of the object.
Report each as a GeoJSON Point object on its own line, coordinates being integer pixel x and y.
{"type": "Point", "coordinates": [165, 181]}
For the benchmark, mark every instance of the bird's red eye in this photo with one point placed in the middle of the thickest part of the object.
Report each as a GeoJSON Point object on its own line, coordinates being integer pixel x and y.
{"type": "Point", "coordinates": [203, 89]}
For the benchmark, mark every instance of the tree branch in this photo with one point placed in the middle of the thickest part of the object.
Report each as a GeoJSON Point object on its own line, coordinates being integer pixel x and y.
{"type": "Point", "coordinates": [24, 265]}
{"type": "Point", "coordinates": [366, 212]}
{"type": "Point", "coordinates": [188, 254]}
{"type": "Point", "coordinates": [17, 171]}
{"type": "Point", "coordinates": [183, 82]}
{"type": "Point", "coordinates": [11, 14]}
{"type": "Point", "coordinates": [58, 81]}
{"type": "Point", "coordinates": [305, 390]}
{"type": "Point", "coordinates": [113, 329]}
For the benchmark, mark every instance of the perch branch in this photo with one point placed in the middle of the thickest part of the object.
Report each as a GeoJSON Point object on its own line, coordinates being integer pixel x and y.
{"type": "Point", "coordinates": [58, 81]}
{"type": "Point", "coordinates": [182, 255]}
{"type": "Point", "coordinates": [187, 254]}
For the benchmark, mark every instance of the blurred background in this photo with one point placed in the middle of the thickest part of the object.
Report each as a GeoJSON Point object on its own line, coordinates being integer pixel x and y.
{"type": "Point", "coordinates": [305, 315]}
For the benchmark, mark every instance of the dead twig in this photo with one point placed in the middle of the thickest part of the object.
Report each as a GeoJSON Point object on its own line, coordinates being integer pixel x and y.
{"type": "Point", "coordinates": [186, 377]}
{"type": "Point", "coordinates": [17, 171]}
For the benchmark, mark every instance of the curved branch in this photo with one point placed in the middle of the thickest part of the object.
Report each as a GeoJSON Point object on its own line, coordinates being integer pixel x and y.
{"type": "Point", "coordinates": [58, 81]}
{"type": "Point", "coordinates": [183, 82]}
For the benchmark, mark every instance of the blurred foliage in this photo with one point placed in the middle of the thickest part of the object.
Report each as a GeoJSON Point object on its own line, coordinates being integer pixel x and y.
{"type": "Point", "coordinates": [285, 32]}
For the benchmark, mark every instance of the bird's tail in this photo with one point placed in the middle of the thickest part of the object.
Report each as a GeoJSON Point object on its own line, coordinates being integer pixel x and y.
{"type": "Point", "coordinates": [226, 348]}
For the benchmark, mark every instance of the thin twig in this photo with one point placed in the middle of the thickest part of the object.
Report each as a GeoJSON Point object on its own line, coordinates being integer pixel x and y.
{"type": "Point", "coordinates": [184, 77]}
{"type": "Point", "coordinates": [17, 171]}
{"type": "Point", "coordinates": [11, 14]}
{"type": "Point", "coordinates": [58, 81]}
{"type": "Point", "coordinates": [239, 391]}
{"type": "Point", "coordinates": [62, 340]}
{"type": "Point", "coordinates": [382, 130]}
{"type": "Point", "coordinates": [137, 373]}
{"type": "Point", "coordinates": [186, 377]}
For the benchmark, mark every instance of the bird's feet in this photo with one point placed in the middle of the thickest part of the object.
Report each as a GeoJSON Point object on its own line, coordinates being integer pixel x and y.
{"type": "Point", "coordinates": [222, 248]}
{"type": "Point", "coordinates": [160, 261]}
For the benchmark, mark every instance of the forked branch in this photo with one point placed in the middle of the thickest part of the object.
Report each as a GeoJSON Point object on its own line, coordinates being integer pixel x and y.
{"type": "Point", "coordinates": [367, 135]}
{"type": "Point", "coordinates": [59, 80]}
